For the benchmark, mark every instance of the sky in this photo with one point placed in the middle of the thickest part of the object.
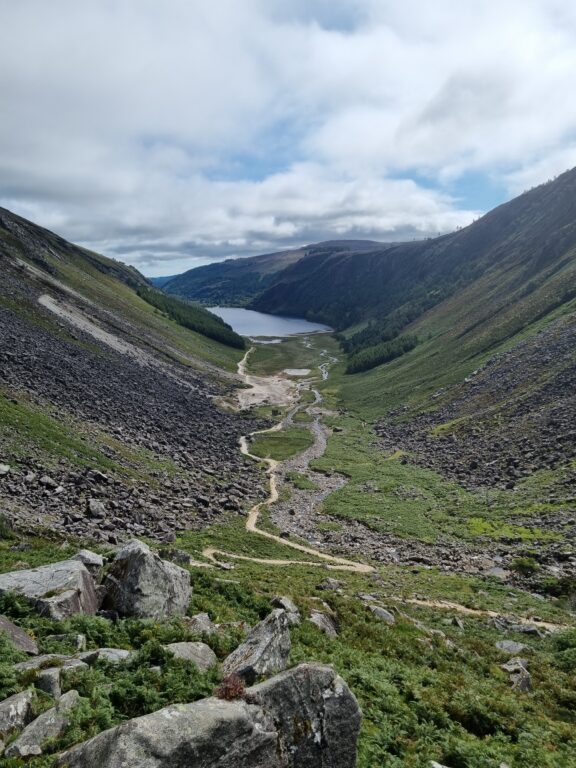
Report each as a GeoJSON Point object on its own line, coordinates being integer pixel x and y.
{"type": "Point", "coordinates": [171, 134]}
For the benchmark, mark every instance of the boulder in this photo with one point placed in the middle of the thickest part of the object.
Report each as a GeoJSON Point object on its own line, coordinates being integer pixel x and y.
{"type": "Point", "coordinates": [330, 584]}
{"type": "Point", "coordinates": [15, 712]}
{"type": "Point", "coordinates": [75, 641]}
{"type": "Point", "coordinates": [113, 655]}
{"type": "Point", "coordinates": [304, 718]}
{"type": "Point", "coordinates": [59, 590]}
{"type": "Point", "coordinates": [324, 622]}
{"type": "Point", "coordinates": [4, 469]}
{"type": "Point", "coordinates": [266, 649]}
{"type": "Point", "coordinates": [140, 584]}
{"type": "Point", "coordinates": [201, 624]}
{"type": "Point", "coordinates": [49, 681]}
{"type": "Point", "coordinates": [42, 662]}
{"type": "Point", "coordinates": [49, 725]}
{"type": "Point", "coordinates": [510, 646]}
{"type": "Point", "coordinates": [20, 639]}
{"type": "Point", "coordinates": [383, 614]}
{"type": "Point", "coordinates": [93, 562]}
{"type": "Point", "coordinates": [199, 654]}
{"type": "Point", "coordinates": [291, 609]}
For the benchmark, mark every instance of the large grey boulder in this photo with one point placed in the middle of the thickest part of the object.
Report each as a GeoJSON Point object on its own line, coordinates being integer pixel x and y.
{"type": "Point", "coordinates": [50, 725]}
{"type": "Point", "coordinates": [20, 639]}
{"type": "Point", "coordinates": [58, 590]}
{"type": "Point", "coordinates": [266, 649]}
{"type": "Point", "coordinates": [140, 584]}
{"type": "Point", "coordinates": [304, 718]}
{"type": "Point", "coordinates": [199, 654]}
{"type": "Point", "coordinates": [15, 712]}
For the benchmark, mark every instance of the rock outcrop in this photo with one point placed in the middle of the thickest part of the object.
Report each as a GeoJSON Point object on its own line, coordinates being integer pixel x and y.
{"type": "Point", "coordinates": [266, 649]}
{"type": "Point", "coordinates": [304, 718]}
{"type": "Point", "coordinates": [199, 654]}
{"type": "Point", "coordinates": [143, 585]}
{"type": "Point", "coordinates": [59, 590]}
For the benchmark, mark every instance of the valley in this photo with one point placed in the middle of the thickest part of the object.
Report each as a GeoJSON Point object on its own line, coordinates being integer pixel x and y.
{"type": "Point", "coordinates": [418, 515]}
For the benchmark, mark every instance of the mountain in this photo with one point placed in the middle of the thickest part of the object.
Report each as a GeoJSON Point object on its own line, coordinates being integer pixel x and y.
{"type": "Point", "coordinates": [238, 281]}
{"type": "Point", "coordinates": [158, 282]}
{"type": "Point", "coordinates": [513, 249]}
{"type": "Point", "coordinates": [101, 374]}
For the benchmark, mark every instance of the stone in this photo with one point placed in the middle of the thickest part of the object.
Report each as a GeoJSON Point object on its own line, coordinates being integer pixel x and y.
{"type": "Point", "coordinates": [15, 713]}
{"type": "Point", "coordinates": [324, 622]}
{"type": "Point", "coordinates": [42, 662]}
{"type": "Point", "coordinates": [49, 725]}
{"type": "Point", "coordinates": [330, 584]}
{"type": "Point", "coordinates": [304, 718]}
{"type": "Point", "coordinates": [291, 609]}
{"type": "Point", "coordinates": [515, 665]}
{"type": "Point", "coordinates": [140, 584]}
{"type": "Point", "coordinates": [266, 649]}
{"type": "Point", "coordinates": [58, 590]}
{"type": "Point", "coordinates": [48, 680]}
{"type": "Point", "coordinates": [96, 508]}
{"type": "Point", "coordinates": [4, 469]}
{"type": "Point", "coordinates": [93, 562]}
{"type": "Point", "coordinates": [199, 654]}
{"type": "Point", "coordinates": [75, 641]}
{"type": "Point", "coordinates": [19, 639]}
{"type": "Point", "coordinates": [201, 624]}
{"type": "Point", "coordinates": [114, 655]}
{"type": "Point", "coordinates": [383, 614]}
{"type": "Point", "coordinates": [521, 681]}
{"type": "Point", "coordinates": [510, 646]}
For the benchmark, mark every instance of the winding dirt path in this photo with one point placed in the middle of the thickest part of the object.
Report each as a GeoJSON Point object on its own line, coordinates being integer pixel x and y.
{"type": "Point", "coordinates": [330, 562]}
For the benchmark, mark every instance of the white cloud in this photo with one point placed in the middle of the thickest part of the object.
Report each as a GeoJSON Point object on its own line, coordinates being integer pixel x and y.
{"type": "Point", "coordinates": [189, 129]}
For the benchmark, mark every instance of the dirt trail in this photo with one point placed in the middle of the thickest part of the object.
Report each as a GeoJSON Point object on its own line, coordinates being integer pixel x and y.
{"type": "Point", "coordinates": [264, 386]}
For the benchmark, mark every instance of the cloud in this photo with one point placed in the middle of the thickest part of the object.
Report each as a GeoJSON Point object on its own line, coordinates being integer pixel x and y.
{"type": "Point", "coordinates": [177, 133]}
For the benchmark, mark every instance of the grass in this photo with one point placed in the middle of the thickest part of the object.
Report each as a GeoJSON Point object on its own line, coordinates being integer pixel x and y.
{"type": "Point", "coordinates": [282, 445]}
{"type": "Point", "coordinates": [292, 352]}
{"type": "Point", "coordinates": [30, 428]}
{"type": "Point", "coordinates": [300, 481]}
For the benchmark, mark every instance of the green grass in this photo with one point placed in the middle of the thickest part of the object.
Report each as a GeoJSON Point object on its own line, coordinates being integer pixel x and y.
{"type": "Point", "coordinates": [300, 481]}
{"type": "Point", "coordinates": [282, 445]}
{"type": "Point", "coordinates": [292, 352]}
{"type": "Point", "coordinates": [29, 428]}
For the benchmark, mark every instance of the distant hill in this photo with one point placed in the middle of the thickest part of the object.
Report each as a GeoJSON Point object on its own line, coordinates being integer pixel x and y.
{"type": "Point", "coordinates": [237, 282]}
{"type": "Point", "coordinates": [158, 282]}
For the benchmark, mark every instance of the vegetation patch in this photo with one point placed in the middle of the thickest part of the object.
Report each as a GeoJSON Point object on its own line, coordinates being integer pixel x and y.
{"type": "Point", "coordinates": [282, 445]}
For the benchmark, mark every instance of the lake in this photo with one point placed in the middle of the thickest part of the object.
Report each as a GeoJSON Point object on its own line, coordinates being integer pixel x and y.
{"type": "Point", "coordinates": [247, 322]}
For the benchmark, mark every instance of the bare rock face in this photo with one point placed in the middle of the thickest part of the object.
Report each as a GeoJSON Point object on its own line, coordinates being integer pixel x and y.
{"type": "Point", "coordinates": [59, 590]}
{"type": "Point", "coordinates": [143, 585]}
{"type": "Point", "coordinates": [304, 718]}
{"type": "Point", "coordinates": [266, 649]}
{"type": "Point", "coordinates": [20, 639]}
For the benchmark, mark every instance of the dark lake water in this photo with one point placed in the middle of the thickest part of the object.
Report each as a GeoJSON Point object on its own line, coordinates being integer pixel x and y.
{"type": "Point", "coordinates": [247, 322]}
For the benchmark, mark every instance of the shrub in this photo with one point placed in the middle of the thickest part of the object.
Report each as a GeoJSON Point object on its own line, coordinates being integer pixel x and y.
{"type": "Point", "coordinates": [232, 687]}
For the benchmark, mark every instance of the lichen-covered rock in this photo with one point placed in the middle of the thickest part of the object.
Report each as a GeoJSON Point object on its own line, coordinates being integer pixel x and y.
{"type": "Point", "coordinates": [15, 712]}
{"type": "Point", "coordinates": [140, 584]}
{"type": "Point", "coordinates": [304, 718]}
{"type": "Point", "coordinates": [266, 649]}
{"type": "Point", "coordinates": [199, 654]}
{"type": "Point", "coordinates": [18, 637]}
{"type": "Point", "coordinates": [49, 725]}
{"type": "Point", "coordinates": [381, 613]}
{"type": "Point", "coordinates": [58, 590]}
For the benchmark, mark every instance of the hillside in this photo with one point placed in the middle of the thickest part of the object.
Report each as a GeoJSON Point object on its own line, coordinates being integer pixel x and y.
{"type": "Point", "coordinates": [104, 396]}
{"type": "Point", "coordinates": [238, 281]}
